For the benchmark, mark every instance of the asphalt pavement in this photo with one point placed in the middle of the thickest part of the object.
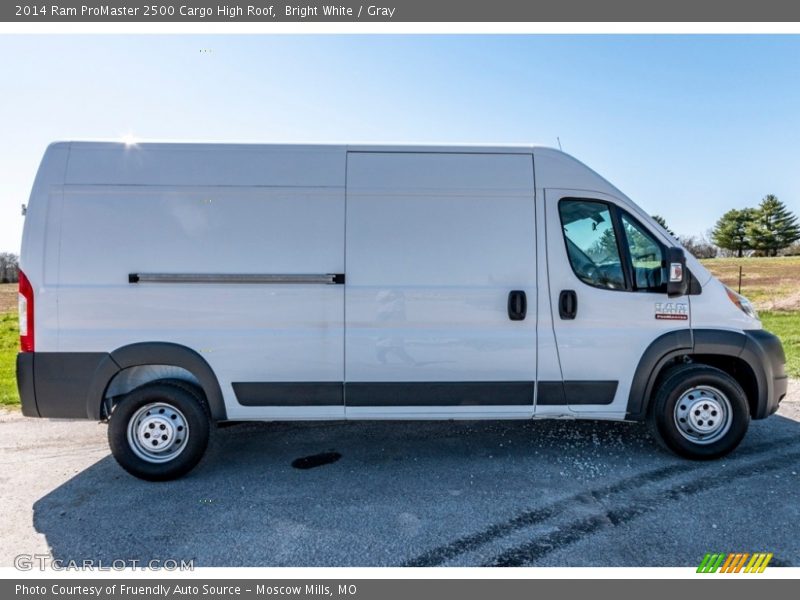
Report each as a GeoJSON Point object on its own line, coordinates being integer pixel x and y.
{"type": "Point", "coordinates": [546, 493]}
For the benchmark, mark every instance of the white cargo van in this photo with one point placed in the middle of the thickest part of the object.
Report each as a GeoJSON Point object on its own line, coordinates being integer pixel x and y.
{"type": "Point", "coordinates": [167, 287]}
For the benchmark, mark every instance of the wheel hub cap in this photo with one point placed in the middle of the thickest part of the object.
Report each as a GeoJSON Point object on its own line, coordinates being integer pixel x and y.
{"type": "Point", "coordinates": [157, 432]}
{"type": "Point", "coordinates": [703, 414]}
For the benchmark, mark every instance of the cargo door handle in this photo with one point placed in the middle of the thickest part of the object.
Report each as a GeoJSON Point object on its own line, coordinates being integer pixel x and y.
{"type": "Point", "coordinates": [517, 305]}
{"type": "Point", "coordinates": [567, 304]}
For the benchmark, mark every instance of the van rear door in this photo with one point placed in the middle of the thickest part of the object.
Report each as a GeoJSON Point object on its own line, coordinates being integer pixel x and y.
{"type": "Point", "coordinates": [440, 301]}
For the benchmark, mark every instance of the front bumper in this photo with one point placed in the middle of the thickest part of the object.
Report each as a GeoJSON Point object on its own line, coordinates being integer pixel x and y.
{"type": "Point", "coordinates": [765, 349]}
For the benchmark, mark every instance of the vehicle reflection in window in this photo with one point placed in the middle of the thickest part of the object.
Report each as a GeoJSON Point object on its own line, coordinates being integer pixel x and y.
{"type": "Point", "coordinates": [592, 243]}
{"type": "Point", "coordinates": [649, 269]}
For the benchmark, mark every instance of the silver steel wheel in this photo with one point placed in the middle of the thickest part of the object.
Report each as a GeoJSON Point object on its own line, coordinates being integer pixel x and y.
{"type": "Point", "coordinates": [158, 432]}
{"type": "Point", "coordinates": [703, 414]}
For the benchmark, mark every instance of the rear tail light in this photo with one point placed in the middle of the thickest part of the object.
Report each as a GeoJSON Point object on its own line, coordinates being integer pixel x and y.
{"type": "Point", "coordinates": [25, 314]}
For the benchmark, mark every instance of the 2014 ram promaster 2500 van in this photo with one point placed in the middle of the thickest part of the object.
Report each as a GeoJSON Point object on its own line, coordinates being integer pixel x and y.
{"type": "Point", "coordinates": [166, 287]}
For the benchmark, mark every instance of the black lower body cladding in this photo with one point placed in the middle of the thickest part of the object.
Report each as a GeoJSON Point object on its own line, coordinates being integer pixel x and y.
{"type": "Point", "coordinates": [768, 349]}
{"type": "Point", "coordinates": [759, 349]}
{"type": "Point", "coordinates": [57, 384]}
{"type": "Point", "coordinates": [72, 385]}
{"type": "Point", "coordinates": [27, 395]}
{"type": "Point", "coordinates": [763, 353]}
{"type": "Point", "coordinates": [555, 393]}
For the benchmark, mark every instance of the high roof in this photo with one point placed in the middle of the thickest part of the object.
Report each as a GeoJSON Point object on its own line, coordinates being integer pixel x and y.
{"type": "Point", "coordinates": [330, 146]}
{"type": "Point", "coordinates": [307, 165]}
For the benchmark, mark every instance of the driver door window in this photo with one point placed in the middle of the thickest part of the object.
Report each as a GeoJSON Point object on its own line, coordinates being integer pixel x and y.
{"type": "Point", "coordinates": [592, 244]}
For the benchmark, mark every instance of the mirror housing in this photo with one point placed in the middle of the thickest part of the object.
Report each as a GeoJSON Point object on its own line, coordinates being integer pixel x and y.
{"type": "Point", "coordinates": [677, 275]}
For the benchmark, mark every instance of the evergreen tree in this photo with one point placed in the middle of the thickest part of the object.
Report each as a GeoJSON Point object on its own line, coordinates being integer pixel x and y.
{"type": "Point", "coordinates": [604, 248]}
{"type": "Point", "coordinates": [663, 222]}
{"type": "Point", "coordinates": [732, 230]}
{"type": "Point", "coordinates": [774, 227]}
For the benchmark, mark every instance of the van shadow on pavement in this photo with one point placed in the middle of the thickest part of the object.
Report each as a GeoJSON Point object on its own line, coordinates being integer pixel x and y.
{"type": "Point", "coordinates": [439, 493]}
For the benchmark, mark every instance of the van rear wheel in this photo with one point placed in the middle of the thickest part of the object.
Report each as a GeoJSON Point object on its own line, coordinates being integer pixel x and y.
{"type": "Point", "coordinates": [159, 431]}
{"type": "Point", "coordinates": [699, 412]}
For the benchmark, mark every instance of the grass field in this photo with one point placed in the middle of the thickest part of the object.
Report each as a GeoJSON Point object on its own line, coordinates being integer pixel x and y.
{"type": "Point", "coordinates": [773, 284]}
{"type": "Point", "coordinates": [9, 344]}
{"type": "Point", "coordinates": [770, 283]}
{"type": "Point", "coordinates": [786, 325]}
{"type": "Point", "coordinates": [8, 297]}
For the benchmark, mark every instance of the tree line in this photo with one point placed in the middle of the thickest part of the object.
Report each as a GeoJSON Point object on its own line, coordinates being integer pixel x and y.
{"type": "Point", "coordinates": [9, 267]}
{"type": "Point", "coordinates": [764, 230]}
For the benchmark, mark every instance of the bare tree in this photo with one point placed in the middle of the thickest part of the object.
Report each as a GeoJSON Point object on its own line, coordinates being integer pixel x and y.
{"type": "Point", "coordinates": [9, 267]}
{"type": "Point", "coordinates": [699, 246]}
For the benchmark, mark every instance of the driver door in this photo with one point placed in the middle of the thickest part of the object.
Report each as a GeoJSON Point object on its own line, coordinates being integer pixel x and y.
{"type": "Point", "coordinates": [605, 285]}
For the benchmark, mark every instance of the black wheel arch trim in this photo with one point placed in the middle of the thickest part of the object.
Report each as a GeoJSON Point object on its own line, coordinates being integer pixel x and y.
{"type": "Point", "coordinates": [759, 349]}
{"type": "Point", "coordinates": [106, 370]}
{"type": "Point", "coordinates": [155, 353]}
{"type": "Point", "coordinates": [660, 351]}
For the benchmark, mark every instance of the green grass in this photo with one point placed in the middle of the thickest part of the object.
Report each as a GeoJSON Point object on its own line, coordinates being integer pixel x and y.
{"type": "Point", "coordinates": [786, 325]}
{"type": "Point", "coordinates": [773, 285]}
{"type": "Point", "coordinates": [9, 346]}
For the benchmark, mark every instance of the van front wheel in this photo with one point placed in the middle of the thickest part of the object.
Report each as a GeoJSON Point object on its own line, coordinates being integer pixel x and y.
{"type": "Point", "coordinates": [159, 431]}
{"type": "Point", "coordinates": [699, 412]}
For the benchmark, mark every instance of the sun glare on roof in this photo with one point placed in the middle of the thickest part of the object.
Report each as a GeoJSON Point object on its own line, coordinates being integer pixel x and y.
{"type": "Point", "coordinates": [129, 139]}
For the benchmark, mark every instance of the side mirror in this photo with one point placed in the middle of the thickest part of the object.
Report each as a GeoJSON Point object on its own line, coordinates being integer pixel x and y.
{"type": "Point", "coordinates": [677, 282]}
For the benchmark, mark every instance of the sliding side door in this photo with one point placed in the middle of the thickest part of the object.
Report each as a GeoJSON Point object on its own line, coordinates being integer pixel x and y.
{"type": "Point", "coordinates": [440, 314]}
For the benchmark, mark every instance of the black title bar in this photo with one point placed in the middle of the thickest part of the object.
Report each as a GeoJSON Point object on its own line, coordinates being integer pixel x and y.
{"type": "Point", "coordinates": [133, 11]}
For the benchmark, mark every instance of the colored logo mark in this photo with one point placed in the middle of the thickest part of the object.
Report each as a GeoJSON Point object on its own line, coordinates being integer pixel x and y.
{"type": "Point", "coordinates": [735, 562]}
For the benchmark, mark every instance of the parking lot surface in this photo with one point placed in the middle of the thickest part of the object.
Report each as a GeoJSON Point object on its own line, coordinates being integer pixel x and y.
{"type": "Point", "coordinates": [510, 493]}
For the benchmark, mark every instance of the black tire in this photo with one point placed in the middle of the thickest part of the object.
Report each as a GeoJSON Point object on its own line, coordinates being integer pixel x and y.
{"type": "Point", "coordinates": [190, 387]}
{"type": "Point", "coordinates": [683, 382]}
{"type": "Point", "coordinates": [188, 405]}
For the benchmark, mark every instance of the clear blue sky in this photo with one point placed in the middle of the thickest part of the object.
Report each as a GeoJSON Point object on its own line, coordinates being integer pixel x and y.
{"type": "Point", "coordinates": [687, 126]}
